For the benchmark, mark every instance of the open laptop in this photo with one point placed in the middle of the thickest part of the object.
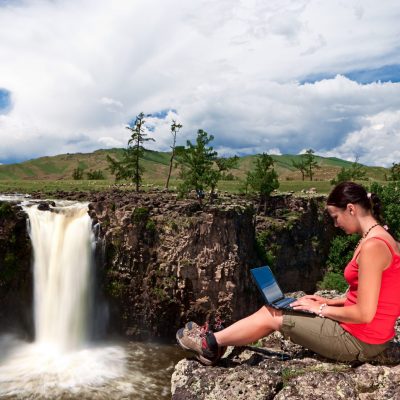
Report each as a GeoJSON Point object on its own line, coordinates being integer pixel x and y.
{"type": "Point", "coordinates": [271, 291]}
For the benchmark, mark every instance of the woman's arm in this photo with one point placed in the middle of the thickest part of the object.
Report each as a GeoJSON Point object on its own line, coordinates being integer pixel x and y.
{"type": "Point", "coordinates": [336, 302]}
{"type": "Point", "coordinates": [373, 259]}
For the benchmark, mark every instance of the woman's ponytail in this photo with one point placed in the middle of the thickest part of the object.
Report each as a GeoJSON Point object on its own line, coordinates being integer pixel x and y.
{"type": "Point", "coordinates": [376, 207]}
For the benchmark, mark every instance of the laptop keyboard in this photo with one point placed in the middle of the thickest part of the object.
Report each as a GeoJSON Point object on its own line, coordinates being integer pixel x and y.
{"type": "Point", "coordinates": [284, 303]}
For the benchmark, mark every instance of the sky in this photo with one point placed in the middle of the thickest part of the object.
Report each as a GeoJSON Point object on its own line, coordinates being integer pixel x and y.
{"type": "Point", "coordinates": [276, 76]}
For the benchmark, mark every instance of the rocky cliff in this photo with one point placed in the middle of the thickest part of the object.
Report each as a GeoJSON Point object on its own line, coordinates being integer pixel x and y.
{"type": "Point", "coordinates": [166, 261]}
{"type": "Point", "coordinates": [162, 261]}
{"type": "Point", "coordinates": [15, 271]}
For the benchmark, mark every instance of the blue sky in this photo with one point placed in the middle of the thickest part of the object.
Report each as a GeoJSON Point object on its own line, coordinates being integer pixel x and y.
{"type": "Point", "coordinates": [385, 73]}
{"type": "Point", "coordinates": [280, 76]}
{"type": "Point", "coordinates": [5, 100]}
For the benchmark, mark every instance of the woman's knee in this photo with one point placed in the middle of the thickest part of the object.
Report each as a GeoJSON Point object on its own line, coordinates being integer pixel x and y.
{"type": "Point", "coordinates": [270, 317]}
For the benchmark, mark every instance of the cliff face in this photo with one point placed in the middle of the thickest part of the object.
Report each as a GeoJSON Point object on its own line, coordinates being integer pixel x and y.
{"type": "Point", "coordinates": [166, 261]}
{"type": "Point", "coordinates": [294, 236]}
{"type": "Point", "coordinates": [163, 261]}
{"type": "Point", "coordinates": [16, 283]}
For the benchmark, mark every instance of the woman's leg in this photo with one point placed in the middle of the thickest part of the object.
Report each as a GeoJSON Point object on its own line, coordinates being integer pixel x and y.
{"type": "Point", "coordinates": [248, 330]}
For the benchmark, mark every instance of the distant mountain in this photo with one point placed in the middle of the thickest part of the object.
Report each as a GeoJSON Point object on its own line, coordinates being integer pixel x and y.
{"type": "Point", "coordinates": [156, 166]}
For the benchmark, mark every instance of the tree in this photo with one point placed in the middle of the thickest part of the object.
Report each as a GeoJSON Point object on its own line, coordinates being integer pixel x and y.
{"type": "Point", "coordinates": [129, 167]}
{"type": "Point", "coordinates": [310, 163]}
{"type": "Point", "coordinates": [174, 130]}
{"type": "Point", "coordinates": [301, 166]}
{"type": "Point", "coordinates": [355, 172]}
{"type": "Point", "coordinates": [264, 179]}
{"type": "Point", "coordinates": [197, 164]}
{"type": "Point", "coordinates": [77, 173]}
{"type": "Point", "coordinates": [223, 165]}
{"type": "Point", "coordinates": [395, 172]}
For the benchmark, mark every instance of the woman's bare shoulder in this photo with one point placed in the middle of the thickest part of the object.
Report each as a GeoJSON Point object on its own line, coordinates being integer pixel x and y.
{"type": "Point", "coordinates": [378, 250]}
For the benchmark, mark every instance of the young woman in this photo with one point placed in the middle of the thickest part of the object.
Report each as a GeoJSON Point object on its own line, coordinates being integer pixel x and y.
{"type": "Point", "coordinates": [358, 326]}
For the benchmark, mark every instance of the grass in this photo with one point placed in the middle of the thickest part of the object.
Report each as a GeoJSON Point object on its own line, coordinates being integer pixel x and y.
{"type": "Point", "coordinates": [158, 182]}
{"type": "Point", "coordinates": [298, 186]}
{"type": "Point", "coordinates": [50, 186]}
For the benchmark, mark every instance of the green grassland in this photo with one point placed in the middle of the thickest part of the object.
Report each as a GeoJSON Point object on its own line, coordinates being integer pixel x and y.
{"type": "Point", "coordinates": [49, 174]}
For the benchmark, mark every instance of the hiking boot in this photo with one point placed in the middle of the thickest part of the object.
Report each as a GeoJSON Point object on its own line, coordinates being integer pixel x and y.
{"type": "Point", "coordinates": [216, 327]}
{"type": "Point", "coordinates": [199, 340]}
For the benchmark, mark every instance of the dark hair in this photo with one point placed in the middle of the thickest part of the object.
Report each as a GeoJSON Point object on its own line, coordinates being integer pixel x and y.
{"type": "Point", "coordinates": [350, 192]}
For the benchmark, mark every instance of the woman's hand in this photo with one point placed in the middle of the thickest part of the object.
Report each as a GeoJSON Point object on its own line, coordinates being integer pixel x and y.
{"type": "Point", "coordinates": [309, 303]}
{"type": "Point", "coordinates": [318, 299]}
{"type": "Point", "coordinates": [336, 302]}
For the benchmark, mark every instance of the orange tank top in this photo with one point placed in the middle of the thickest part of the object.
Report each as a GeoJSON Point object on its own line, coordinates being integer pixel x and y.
{"type": "Point", "coordinates": [381, 328]}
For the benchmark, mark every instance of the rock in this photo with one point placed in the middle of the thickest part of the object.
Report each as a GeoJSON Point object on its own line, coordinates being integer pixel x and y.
{"type": "Point", "coordinates": [45, 205]}
{"type": "Point", "coordinates": [16, 277]}
{"type": "Point", "coordinates": [282, 370]}
{"type": "Point", "coordinates": [226, 382]}
{"type": "Point", "coordinates": [312, 190]}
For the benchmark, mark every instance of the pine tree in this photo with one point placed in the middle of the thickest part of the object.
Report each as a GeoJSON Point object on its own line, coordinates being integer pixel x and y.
{"type": "Point", "coordinates": [310, 163]}
{"type": "Point", "coordinates": [197, 164]}
{"type": "Point", "coordinates": [129, 167]}
{"type": "Point", "coordinates": [264, 179]}
{"type": "Point", "coordinates": [174, 130]}
{"type": "Point", "coordinates": [301, 166]}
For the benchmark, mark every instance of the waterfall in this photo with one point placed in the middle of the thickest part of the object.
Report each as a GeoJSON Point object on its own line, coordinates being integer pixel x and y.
{"type": "Point", "coordinates": [63, 292]}
{"type": "Point", "coordinates": [62, 359]}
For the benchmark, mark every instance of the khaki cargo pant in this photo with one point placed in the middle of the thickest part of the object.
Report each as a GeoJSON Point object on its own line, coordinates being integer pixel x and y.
{"type": "Point", "coordinates": [327, 338]}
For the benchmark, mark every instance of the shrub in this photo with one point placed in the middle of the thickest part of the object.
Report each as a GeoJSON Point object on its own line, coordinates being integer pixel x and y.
{"type": "Point", "coordinates": [139, 215]}
{"type": "Point", "coordinates": [151, 226]}
{"type": "Point", "coordinates": [95, 175]}
{"type": "Point", "coordinates": [77, 173]}
{"type": "Point", "coordinates": [390, 198]}
{"type": "Point", "coordinates": [333, 281]}
{"type": "Point", "coordinates": [340, 253]}
{"type": "Point", "coordinates": [5, 210]}
{"type": "Point", "coordinates": [267, 256]}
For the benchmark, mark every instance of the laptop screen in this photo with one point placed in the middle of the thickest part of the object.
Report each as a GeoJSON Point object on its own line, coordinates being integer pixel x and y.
{"type": "Point", "coordinates": [267, 283]}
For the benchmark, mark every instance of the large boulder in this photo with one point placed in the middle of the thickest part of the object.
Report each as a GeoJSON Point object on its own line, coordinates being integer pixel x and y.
{"type": "Point", "coordinates": [278, 369]}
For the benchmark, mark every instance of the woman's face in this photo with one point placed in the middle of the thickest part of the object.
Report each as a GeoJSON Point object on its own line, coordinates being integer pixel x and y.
{"type": "Point", "coordinates": [343, 218]}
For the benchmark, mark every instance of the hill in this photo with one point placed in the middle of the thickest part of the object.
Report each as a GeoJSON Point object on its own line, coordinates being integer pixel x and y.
{"type": "Point", "coordinates": [156, 165]}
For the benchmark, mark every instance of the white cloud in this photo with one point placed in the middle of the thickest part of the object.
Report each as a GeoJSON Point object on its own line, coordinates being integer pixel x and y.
{"type": "Point", "coordinates": [108, 141]}
{"type": "Point", "coordinates": [114, 104]}
{"type": "Point", "coordinates": [79, 71]}
{"type": "Point", "coordinates": [376, 143]}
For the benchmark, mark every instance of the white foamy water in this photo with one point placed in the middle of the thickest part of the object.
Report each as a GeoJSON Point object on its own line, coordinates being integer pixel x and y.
{"type": "Point", "coordinates": [37, 370]}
